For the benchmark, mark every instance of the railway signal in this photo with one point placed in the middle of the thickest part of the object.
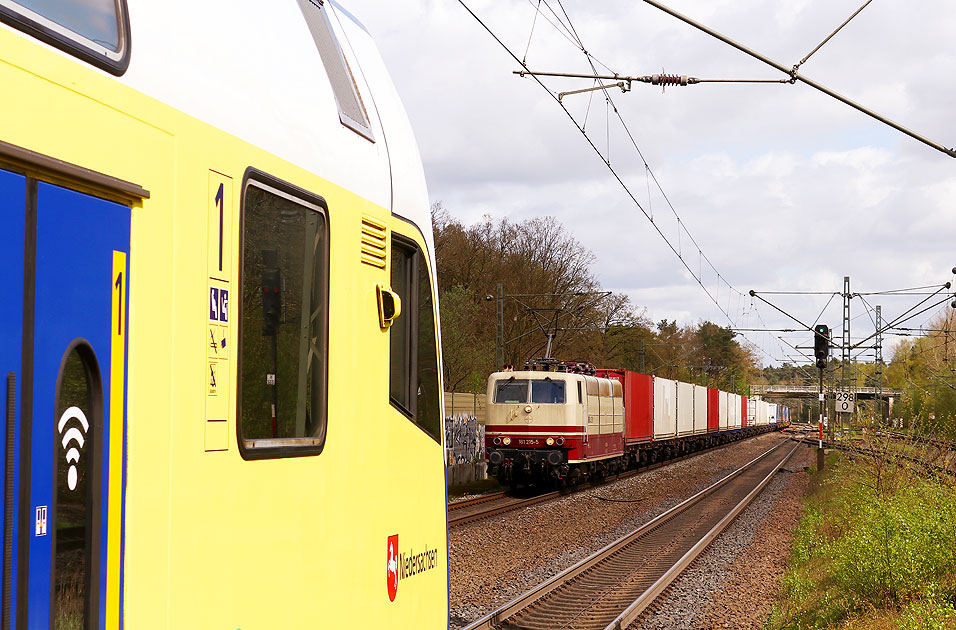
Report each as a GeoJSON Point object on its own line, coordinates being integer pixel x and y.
{"type": "Point", "coordinates": [821, 350]}
{"type": "Point", "coordinates": [821, 344]}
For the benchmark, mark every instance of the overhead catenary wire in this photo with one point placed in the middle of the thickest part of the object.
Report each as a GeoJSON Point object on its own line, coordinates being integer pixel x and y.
{"type": "Point", "coordinates": [796, 76]}
{"type": "Point", "coordinates": [792, 73]}
{"type": "Point", "coordinates": [823, 310]}
{"type": "Point", "coordinates": [662, 79]}
{"type": "Point", "coordinates": [905, 316]}
{"type": "Point", "coordinates": [531, 34]}
{"type": "Point", "coordinates": [830, 36]}
{"type": "Point", "coordinates": [606, 160]}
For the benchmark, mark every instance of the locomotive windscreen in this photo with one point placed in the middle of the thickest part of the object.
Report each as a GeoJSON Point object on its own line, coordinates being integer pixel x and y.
{"type": "Point", "coordinates": [511, 391]}
{"type": "Point", "coordinates": [548, 392]}
{"type": "Point", "coordinates": [515, 391]}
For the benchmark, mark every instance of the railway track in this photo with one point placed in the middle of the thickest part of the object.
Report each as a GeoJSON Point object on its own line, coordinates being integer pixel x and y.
{"type": "Point", "coordinates": [610, 589]}
{"type": "Point", "coordinates": [917, 439]}
{"type": "Point", "coordinates": [855, 449]}
{"type": "Point", "coordinates": [490, 505]}
{"type": "Point", "coordinates": [495, 503]}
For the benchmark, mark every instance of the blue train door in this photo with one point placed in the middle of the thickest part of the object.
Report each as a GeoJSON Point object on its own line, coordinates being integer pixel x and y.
{"type": "Point", "coordinates": [69, 427]}
{"type": "Point", "coordinates": [12, 201]}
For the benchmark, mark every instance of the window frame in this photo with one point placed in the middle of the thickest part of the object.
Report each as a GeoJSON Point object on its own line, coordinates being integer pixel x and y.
{"type": "Point", "coordinates": [527, 396]}
{"type": "Point", "coordinates": [552, 382]}
{"type": "Point", "coordinates": [411, 306]}
{"type": "Point", "coordinates": [46, 30]}
{"type": "Point", "coordinates": [324, 20]}
{"type": "Point", "coordinates": [276, 448]}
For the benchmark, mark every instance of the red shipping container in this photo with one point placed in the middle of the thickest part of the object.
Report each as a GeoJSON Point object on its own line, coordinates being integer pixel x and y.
{"type": "Point", "coordinates": [743, 411]}
{"type": "Point", "coordinates": [713, 410]}
{"type": "Point", "coordinates": [638, 404]}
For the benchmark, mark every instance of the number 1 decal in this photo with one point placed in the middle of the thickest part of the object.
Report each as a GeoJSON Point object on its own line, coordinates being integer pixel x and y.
{"type": "Point", "coordinates": [119, 296]}
{"type": "Point", "coordinates": [114, 440]}
{"type": "Point", "coordinates": [219, 222]}
{"type": "Point", "coordinates": [219, 202]}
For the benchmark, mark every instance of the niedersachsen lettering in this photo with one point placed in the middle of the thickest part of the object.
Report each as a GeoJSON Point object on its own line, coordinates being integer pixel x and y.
{"type": "Point", "coordinates": [415, 563]}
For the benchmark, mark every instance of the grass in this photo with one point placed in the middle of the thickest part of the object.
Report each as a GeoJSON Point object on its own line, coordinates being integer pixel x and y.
{"type": "Point", "coordinates": [875, 548]}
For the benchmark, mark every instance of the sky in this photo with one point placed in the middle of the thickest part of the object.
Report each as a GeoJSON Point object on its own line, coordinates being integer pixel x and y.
{"type": "Point", "coordinates": [765, 187]}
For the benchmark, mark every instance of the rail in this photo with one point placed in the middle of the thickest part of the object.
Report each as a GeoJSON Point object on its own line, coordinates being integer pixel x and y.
{"type": "Point", "coordinates": [501, 503]}
{"type": "Point", "coordinates": [608, 590]}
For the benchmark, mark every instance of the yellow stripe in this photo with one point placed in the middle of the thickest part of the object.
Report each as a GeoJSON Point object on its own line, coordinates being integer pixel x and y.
{"type": "Point", "coordinates": [114, 495]}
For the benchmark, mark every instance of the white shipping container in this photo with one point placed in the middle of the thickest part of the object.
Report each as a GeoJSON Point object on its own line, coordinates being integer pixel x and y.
{"type": "Point", "coordinates": [665, 408]}
{"type": "Point", "coordinates": [751, 412]}
{"type": "Point", "coordinates": [722, 418]}
{"type": "Point", "coordinates": [685, 409]}
{"type": "Point", "coordinates": [700, 409]}
{"type": "Point", "coordinates": [763, 412]}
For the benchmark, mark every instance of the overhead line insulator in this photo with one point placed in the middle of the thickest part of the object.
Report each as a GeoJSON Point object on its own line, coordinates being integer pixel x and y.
{"type": "Point", "coordinates": [670, 79]}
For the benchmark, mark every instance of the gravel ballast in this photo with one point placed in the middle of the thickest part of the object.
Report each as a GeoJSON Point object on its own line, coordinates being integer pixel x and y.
{"type": "Point", "coordinates": [734, 583]}
{"type": "Point", "coordinates": [495, 560]}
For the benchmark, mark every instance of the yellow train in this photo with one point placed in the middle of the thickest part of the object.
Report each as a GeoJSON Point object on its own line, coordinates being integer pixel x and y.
{"type": "Point", "coordinates": [218, 336]}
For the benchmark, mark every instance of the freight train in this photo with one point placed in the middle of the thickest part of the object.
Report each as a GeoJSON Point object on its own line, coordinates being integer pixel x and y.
{"type": "Point", "coordinates": [563, 422]}
{"type": "Point", "coordinates": [218, 331]}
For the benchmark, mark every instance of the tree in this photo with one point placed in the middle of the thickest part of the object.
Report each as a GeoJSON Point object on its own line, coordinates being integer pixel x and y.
{"type": "Point", "coordinates": [463, 352]}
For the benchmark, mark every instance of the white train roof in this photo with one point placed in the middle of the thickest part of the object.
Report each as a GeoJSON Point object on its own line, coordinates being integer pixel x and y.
{"type": "Point", "coordinates": [252, 69]}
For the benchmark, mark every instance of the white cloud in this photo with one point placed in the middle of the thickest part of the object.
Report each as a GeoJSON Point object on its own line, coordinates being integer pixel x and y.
{"type": "Point", "coordinates": [783, 188]}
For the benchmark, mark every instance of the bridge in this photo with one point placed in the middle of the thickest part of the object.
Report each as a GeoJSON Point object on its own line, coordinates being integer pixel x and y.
{"type": "Point", "coordinates": [811, 391]}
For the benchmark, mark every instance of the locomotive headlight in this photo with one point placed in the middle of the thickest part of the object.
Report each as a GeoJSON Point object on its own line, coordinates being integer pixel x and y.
{"type": "Point", "coordinates": [506, 441]}
{"type": "Point", "coordinates": [549, 441]}
{"type": "Point", "coordinates": [560, 441]}
{"type": "Point", "coordinates": [527, 409]}
{"type": "Point", "coordinates": [497, 441]}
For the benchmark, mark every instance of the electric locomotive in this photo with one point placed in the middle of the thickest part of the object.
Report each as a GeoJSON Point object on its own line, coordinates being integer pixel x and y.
{"type": "Point", "coordinates": [553, 421]}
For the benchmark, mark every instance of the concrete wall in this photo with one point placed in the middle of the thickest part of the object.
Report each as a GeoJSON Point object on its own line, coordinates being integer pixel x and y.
{"type": "Point", "coordinates": [464, 448]}
{"type": "Point", "coordinates": [471, 404]}
{"type": "Point", "coordinates": [457, 474]}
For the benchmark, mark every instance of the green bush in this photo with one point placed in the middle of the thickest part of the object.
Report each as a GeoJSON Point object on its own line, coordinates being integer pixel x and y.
{"type": "Point", "coordinates": [931, 612]}
{"type": "Point", "coordinates": [870, 545]}
{"type": "Point", "coordinates": [894, 548]}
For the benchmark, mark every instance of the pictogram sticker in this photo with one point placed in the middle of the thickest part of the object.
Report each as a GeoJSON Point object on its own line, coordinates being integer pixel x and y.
{"type": "Point", "coordinates": [217, 346]}
{"type": "Point", "coordinates": [213, 376]}
{"type": "Point", "coordinates": [219, 304]}
{"type": "Point", "coordinates": [41, 520]}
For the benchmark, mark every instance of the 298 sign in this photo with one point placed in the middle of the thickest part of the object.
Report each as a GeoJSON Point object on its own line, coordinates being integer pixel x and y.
{"type": "Point", "coordinates": [844, 401]}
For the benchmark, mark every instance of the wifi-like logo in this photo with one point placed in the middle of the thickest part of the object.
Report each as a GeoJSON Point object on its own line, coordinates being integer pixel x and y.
{"type": "Point", "coordinates": [70, 433]}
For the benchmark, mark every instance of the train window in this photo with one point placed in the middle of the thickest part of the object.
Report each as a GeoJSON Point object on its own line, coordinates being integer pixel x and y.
{"type": "Point", "coordinates": [413, 357]}
{"type": "Point", "coordinates": [511, 391]}
{"type": "Point", "coordinates": [96, 31]}
{"type": "Point", "coordinates": [283, 334]}
{"type": "Point", "coordinates": [76, 495]}
{"type": "Point", "coordinates": [547, 392]}
{"type": "Point", "coordinates": [351, 108]}
{"type": "Point", "coordinates": [580, 398]}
